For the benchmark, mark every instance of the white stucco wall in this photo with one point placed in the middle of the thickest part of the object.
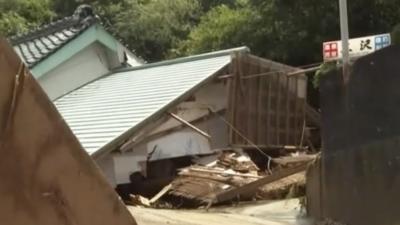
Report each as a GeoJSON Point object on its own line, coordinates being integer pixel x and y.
{"type": "Point", "coordinates": [127, 163]}
{"type": "Point", "coordinates": [178, 144]}
{"type": "Point", "coordinates": [83, 67]}
{"type": "Point", "coordinates": [212, 96]}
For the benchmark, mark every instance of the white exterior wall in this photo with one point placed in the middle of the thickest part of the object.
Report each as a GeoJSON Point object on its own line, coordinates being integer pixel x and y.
{"type": "Point", "coordinates": [127, 163]}
{"type": "Point", "coordinates": [178, 144]}
{"type": "Point", "coordinates": [184, 141]}
{"type": "Point", "coordinates": [82, 68]}
{"type": "Point", "coordinates": [212, 96]}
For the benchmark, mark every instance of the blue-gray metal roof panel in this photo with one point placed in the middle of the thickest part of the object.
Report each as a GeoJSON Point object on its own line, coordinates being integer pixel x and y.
{"type": "Point", "coordinates": [101, 111]}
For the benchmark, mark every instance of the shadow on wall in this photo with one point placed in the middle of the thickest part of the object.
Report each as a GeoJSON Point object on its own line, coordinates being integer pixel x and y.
{"type": "Point", "coordinates": [361, 157]}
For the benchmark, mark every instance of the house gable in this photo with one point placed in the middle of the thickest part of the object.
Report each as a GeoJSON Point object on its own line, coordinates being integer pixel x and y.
{"type": "Point", "coordinates": [47, 47]}
{"type": "Point", "coordinates": [94, 34]}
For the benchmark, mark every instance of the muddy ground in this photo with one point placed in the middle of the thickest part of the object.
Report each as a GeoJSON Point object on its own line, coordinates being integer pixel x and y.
{"type": "Point", "coordinates": [286, 212]}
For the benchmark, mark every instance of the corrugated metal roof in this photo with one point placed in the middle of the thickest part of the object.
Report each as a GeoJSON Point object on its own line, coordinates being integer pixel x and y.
{"type": "Point", "coordinates": [36, 45]}
{"type": "Point", "coordinates": [105, 109]}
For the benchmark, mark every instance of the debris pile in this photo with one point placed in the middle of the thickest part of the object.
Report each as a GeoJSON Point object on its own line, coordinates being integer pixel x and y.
{"type": "Point", "coordinates": [231, 176]}
{"type": "Point", "coordinates": [202, 182]}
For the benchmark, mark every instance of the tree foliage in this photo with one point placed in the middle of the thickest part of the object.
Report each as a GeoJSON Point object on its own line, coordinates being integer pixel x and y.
{"type": "Point", "coordinates": [154, 28]}
{"type": "Point", "coordinates": [19, 16]}
{"type": "Point", "coordinates": [222, 27]}
{"type": "Point", "coordinates": [284, 30]}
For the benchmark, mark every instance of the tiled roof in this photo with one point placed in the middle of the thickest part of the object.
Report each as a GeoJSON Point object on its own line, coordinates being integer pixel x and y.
{"type": "Point", "coordinates": [36, 45]}
{"type": "Point", "coordinates": [102, 112]}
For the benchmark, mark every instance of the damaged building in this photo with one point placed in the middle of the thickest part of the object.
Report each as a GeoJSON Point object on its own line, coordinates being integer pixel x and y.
{"type": "Point", "coordinates": [147, 121]}
{"type": "Point", "coordinates": [142, 123]}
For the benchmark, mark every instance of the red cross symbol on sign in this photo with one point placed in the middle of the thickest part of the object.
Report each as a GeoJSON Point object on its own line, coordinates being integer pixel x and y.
{"type": "Point", "coordinates": [330, 50]}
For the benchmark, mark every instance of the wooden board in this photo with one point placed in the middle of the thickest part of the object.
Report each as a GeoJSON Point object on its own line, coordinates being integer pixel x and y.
{"type": "Point", "coordinates": [252, 187]}
{"type": "Point", "coordinates": [268, 110]}
{"type": "Point", "coordinates": [46, 176]}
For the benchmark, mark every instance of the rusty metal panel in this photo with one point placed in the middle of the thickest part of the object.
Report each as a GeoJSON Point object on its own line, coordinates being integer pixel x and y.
{"type": "Point", "coordinates": [46, 176]}
{"type": "Point", "coordinates": [269, 109]}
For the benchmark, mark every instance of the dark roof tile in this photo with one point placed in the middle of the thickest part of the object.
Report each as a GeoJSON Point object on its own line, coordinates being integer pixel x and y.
{"type": "Point", "coordinates": [38, 44]}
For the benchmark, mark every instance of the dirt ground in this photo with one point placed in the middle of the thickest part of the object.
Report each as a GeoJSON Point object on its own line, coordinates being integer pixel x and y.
{"type": "Point", "coordinates": [286, 212]}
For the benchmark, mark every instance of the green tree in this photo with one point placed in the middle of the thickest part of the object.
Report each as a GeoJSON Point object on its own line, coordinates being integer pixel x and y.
{"type": "Point", "coordinates": [210, 4]}
{"type": "Point", "coordinates": [19, 16]}
{"type": "Point", "coordinates": [286, 30]}
{"type": "Point", "coordinates": [222, 27]}
{"type": "Point", "coordinates": [65, 8]}
{"type": "Point", "coordinates": [153, 28]}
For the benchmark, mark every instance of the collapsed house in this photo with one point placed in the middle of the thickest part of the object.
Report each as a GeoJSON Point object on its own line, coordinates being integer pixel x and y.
{"type": "Point", "coordinates": [143, 122]}
{"type": "Point", "coordinates": [147, 121]}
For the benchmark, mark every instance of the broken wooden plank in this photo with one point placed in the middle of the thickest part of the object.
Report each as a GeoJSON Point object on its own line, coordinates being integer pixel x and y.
{"type": "Point", "coordinates": [303, 71]}
{"type": "Point", "coordinates": [253, 186]}
{"type": "Point", "coordinates": [202, 190]}
{"type": "Point", "coordinates": [160, 194]}
{"type": "Point", "coordinates": [289, 187]}
{"type": "Point", "coordinates": [287, 148]}
{"type": "Point", "coordinates": [191, 126]}
{"type": "Point", "coordinates": [286, 160]}
{"type": "Point", "coordinates": [223, 173]}
{"type": "Point", "coordinates": [138, 200]}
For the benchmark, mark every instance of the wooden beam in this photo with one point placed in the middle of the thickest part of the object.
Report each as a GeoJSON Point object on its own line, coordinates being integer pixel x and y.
{"type": "Point", "coordinates": [296, 111]}
{"type": "Point", "coordinates": [263, 74]}
{"type": "Point", "coordinates": [302, 72]}
{"type": "Point", "coordinates": [253, 186]}
{"type": "Point", "coordinates": [278, 110]}
{"type": "Point", "coordinates": [160, 194]}
{"type": "Point", "coordinates": [218, 172]}
{"type": "Point", "coordinates": [282, 72]}
{"type": "Point", "coordinates": [285, 160]}
{"type": "Point", "coordinates": [261, 139]}
{"type": "Point", "coordinates": [232, 107]}
{"type": "Point", "coordinates": [289, 148]}
{"type": "Point", "coordinates": [152, 136]}
{"type": "Point", "coordinates": [226, 76]}
{"type": "Point", "coordinates": [268, 112]}
{"type": "Point", "coordinates": [191, 126]}
{"type": "Point", "coordinates": [142, 134]}
{"type": "Point", "coordinates": [287, 114]}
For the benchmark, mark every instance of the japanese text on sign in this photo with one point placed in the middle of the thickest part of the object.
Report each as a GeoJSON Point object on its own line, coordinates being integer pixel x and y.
{"type": "Point", "coordinates": [357, 47]}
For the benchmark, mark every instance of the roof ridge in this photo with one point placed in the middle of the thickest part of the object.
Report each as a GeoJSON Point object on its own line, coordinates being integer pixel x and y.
{"type": "Point", "coordinates": [185, 59]}
{"type": "Point", "coordinates": [81, 18]}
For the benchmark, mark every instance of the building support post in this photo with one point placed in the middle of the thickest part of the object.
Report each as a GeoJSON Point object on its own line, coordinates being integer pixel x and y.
{"type": "Point", "coordinates": [344, 30]}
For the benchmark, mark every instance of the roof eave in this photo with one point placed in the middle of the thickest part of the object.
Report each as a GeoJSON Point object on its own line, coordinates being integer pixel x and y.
{"type": "Point", "coordinates": [243, 49]}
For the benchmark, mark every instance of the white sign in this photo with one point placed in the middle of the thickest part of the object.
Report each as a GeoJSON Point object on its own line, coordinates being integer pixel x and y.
{"type": "Point", "coordinates": [332, 50]}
